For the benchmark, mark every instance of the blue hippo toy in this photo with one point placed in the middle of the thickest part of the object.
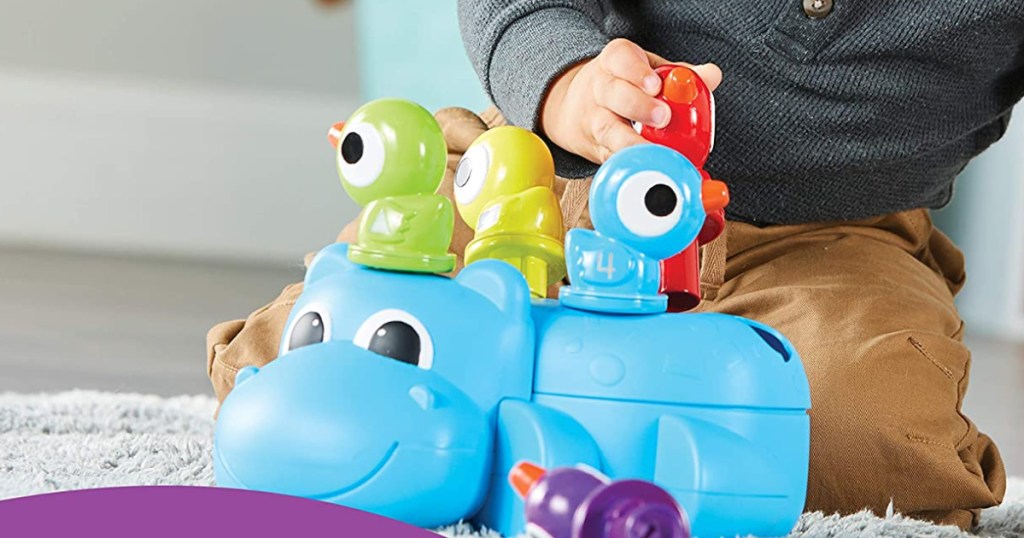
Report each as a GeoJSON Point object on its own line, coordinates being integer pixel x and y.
{"type": "Point", "coordinates": [413, 395]}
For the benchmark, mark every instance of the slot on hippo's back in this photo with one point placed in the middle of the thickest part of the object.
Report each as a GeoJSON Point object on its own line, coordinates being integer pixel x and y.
{"type": "Point", "coordinates": [683, 359]}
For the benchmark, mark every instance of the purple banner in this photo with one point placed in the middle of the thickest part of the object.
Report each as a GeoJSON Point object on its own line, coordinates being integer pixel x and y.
{"type": "Point", "coordinates": [189, 512]}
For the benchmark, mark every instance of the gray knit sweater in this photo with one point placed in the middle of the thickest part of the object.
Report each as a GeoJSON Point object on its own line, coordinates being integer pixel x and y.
{"type": "Point", "coordinates": [872, 109]}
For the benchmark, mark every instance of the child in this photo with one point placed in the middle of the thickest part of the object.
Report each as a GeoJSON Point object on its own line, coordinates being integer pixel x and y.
{"type": "Point", "coordinates": [839, 126]}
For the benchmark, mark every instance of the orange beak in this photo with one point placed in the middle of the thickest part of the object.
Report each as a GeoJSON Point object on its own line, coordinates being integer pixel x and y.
{"type": "Point", "coordinates": [715, 195]}
{"type": "Point", "coordinates": [523, 476]}
{"type": "Point", "coordinates": [334, 134]}
{"type": "Point", "coordinates": [681, 85]}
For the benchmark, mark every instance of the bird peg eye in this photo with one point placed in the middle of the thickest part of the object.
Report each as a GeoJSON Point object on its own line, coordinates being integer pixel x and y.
{"type": "Point", "coordinates": [472, 173]}
{"type": "Point", "coordinates": [361, 154]}
{"type": "Point", "coordinates": [649, 204]}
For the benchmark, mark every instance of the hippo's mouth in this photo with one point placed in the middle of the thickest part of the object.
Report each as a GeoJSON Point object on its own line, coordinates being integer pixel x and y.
{"type": "Point", "coordinates": [388, 455]}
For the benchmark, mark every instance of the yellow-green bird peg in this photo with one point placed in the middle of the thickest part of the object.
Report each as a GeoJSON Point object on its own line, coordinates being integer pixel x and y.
{"type": "Point", "coordinates": [503, 191]}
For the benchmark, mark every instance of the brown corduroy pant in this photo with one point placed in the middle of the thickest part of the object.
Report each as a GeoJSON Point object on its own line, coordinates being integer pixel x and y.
{"type": "Point", "coordinates": [868, 305]}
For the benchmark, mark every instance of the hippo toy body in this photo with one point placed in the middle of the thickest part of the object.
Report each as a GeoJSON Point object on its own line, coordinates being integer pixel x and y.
{"type": "Point", "coordinates": [413, 395]}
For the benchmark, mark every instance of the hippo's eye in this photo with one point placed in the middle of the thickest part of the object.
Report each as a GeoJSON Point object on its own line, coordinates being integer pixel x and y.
{"type": "Point", "coordinates": [309, 328]}
{"type": "Point", "coordinates": [471, 174]}
{"type": "Point", "coordinates": [360, 154]}
{"type": "Point", "coordinates": [397, 334]}
{"type": "Point", "coordinates": [649, 204]}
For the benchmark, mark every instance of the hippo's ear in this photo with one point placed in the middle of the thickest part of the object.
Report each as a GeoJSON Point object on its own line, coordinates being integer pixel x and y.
{"type": "Point", "coordinates": [499, 282]}
{"type": "Point", "coordinates": [330, 260]}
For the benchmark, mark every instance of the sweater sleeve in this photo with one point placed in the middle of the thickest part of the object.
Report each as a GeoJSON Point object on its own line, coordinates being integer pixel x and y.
{"type": "Point", "coordinates": [518, 47]}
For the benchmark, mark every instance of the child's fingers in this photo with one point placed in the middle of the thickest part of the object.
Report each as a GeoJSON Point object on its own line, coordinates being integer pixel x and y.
{"type": "Point", "coordinates": [656, 61]}
{"type": "Point", "coordinates": [626, 60]}
{"type": "Point", "coordinates": [710, 73]}
{"type": "Point", "coordinates": [611, 134]}
{"type": "Point", "coordinates": [629, 102]}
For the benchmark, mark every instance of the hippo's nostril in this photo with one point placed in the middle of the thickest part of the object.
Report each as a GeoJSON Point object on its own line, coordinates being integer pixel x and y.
{"type": "Point", "coordinates": [427, 398]}
{"type": "Point", "coordinates": [245, 373]}
{"type": "Point", "coordinates": [423, 396]}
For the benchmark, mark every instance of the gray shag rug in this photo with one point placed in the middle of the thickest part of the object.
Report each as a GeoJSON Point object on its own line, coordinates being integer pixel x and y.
{"type": "Point", "coordinates": [81, 439]}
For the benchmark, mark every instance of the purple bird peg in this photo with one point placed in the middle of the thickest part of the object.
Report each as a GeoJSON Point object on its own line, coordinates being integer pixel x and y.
{"type": "Point", "coordinates": [580, 502]}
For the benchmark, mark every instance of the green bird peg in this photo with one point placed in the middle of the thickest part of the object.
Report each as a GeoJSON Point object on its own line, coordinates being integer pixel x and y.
{"type": "Point", "coordinates": [391, 157]}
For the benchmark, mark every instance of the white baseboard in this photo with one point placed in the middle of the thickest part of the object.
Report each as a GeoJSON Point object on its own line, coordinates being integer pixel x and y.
{"type": "Point", "coordinates": [137, 166]}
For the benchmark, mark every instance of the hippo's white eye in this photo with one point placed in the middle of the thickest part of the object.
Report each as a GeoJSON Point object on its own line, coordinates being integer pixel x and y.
{"type": "Point", "coordinates": [397, 334]}
{"type": "Point", "coordinates": [471, 174]}
{"type": "Point", "coordinates": [360, 154]}
{"type": "Point", "coordinates": [649, 204]}
{"type": "Point", "coordinates": [310, 326]}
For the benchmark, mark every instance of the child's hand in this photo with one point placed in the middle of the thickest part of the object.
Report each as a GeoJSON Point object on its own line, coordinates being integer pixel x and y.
{"type": "Point", "coordinates": [590, 108]}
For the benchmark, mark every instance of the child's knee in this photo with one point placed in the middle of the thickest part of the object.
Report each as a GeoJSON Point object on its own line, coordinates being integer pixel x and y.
{"type": "Point", "coordinates": [887, 427]}
{"type": "Point", "coordinates": [254, 341]}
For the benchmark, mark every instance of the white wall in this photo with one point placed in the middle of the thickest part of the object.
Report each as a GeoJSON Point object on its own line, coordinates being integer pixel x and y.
{"type": "Point", "coordinates": [986, 220]}
{"type": "Point", "coordinates": [189, 127]}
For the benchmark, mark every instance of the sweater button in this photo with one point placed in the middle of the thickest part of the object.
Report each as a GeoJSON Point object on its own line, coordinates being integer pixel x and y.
{"type": "Point", "coordinates": [817, 9]}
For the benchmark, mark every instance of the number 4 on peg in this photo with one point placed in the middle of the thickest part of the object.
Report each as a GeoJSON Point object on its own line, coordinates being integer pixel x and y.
{"type": "Point", "coordinates": [609, 268]}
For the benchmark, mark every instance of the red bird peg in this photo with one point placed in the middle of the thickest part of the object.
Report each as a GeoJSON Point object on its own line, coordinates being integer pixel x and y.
{"type": "Point", "coordinates": [691, 131]}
